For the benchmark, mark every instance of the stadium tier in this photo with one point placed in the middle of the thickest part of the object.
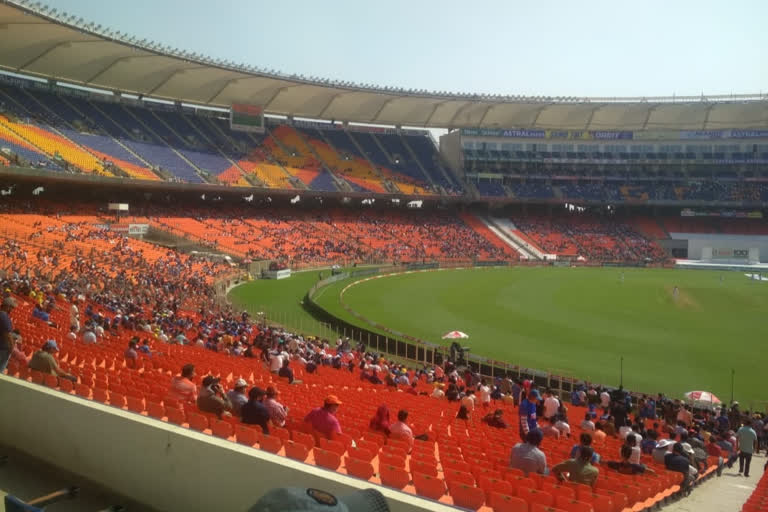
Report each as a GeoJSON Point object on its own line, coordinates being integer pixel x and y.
{"type": "Point", "coordinates": [620, 166]}
{"type": "Point", "coordinates": [58, 129]}
{"type": "Point", "coordinates": [138, 291]}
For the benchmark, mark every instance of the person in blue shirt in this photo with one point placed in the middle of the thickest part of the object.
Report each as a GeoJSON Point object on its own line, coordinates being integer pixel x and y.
{"type": "Point", "coordinates": [528, 412]}
{"type": "Point", "coordinates": [584, 440]}
{"type": "Point", "coordinates": [747, 439]}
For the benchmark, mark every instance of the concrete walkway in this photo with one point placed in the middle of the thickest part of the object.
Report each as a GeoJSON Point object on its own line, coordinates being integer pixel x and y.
{"type": "Point", "coordinates": [725, 494]}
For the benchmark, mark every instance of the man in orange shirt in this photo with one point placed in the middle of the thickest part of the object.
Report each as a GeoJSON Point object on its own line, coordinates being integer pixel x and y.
{"type": "Point", "coordinates": [182, 387]}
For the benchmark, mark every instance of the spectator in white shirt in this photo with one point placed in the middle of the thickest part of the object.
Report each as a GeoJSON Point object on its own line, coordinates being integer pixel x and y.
{"type": "Point", "coordinates": [469, 401]}
{"type": "Point", "coordinates": [588, 425]}
{"type": "Point", "coordinates": [551, 405]}
{"type": "Point", "coordinates": [605, 399]}
{"type": "Point", "coordinates": [485, 394]}
{"type": "Point", "coordinates": [438, 392]}
{"type": "Point", "coordinates": [275, 361]}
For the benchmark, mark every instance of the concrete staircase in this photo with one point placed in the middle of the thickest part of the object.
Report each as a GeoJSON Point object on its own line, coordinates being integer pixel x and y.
{"type": "Point", "coordinates": [505, 229]}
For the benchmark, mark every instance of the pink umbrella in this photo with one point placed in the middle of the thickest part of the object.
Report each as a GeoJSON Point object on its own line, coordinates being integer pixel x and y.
{"type": "Point", "coordinates": [702, 396]}
{"type": "Point", "coordinates": [455, 335]}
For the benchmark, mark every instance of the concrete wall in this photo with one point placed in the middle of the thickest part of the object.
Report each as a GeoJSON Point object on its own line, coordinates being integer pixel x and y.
{"type": "Point", "coordinates": [164, 466]}
{"type": "Point", "coordinates": [697, 241]}
{"type": "Point", "coordinates": [450, 150]}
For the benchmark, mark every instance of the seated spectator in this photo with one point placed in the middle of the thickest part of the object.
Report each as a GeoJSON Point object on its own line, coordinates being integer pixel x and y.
{"type": "Point", "coordinates": [131, 356]}
{"type": "Point", "coordinates": [562, 426]}
{"type": "Point", "coordinates": [44, 361]}
{"type": "Point", "coordinates": [286, 371]}
{"type": "Point", "coordinates": [411, 390]}
{"type": "Point", "coordinates": [579, 470]}
{"type": "Point", "coordinates": [549, 429]}
{"type": "Point", "coordinates": [212, 398]}
{"type": "Point", "coordinates": [401, 430]}
{"type": "Point", "coordinates": [663, 447]}
{"type": "Point", "coordinates": [144, 348]}
{"type": "Point", "coordinates": [495, 419]}
{"type": "Point", "coordinates": [277, 411]}
{"type": "Point", "coordinates": [625, 466]}
{"type": "Point", "coordinates": [587, 423]}
{"type": "Point", "coordinates": [380, 422]}
{"type": "Point", "coordinates": [728, 450]}
{"type": "Point", "coordinates": [276, 360]}
{"type": "Point", "coordinates": [469, 401]}
{"type": "Point", "coordinates": [599, 435]}
{"type": "Point", "coordinates": [17, 353]}
{"type": "Point", "coordinates": [182, 387]}
{"type": "Point", "coordinates": [584, 440]}
{"type": "Point", "coordinates": [237, 396]}
{"type": "Point", "coordinates": [649, 443]}
{"type": "Point", "coordinates": [323, 419]}
{"type": "Point", "coordinates": [527, 456]}
{"type": "Point", "coordinates": [677, 461]}
{"type": "Point", "coordinates": [89, 337]}
{"type": "Point", "coordinates": [485, 393]}
{"type": "Point", "coordinates": [631, 441]}
{"type": "Point", "coordinates": [254, 412]}
{"type": "Point", "coordinates": [438, 392]}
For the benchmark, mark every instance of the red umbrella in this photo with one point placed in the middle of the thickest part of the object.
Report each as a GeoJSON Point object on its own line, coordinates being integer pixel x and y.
{"type": "Point", "coordinates": [455, 335]}
{"type": "Point", "coordinates": [702, 396]}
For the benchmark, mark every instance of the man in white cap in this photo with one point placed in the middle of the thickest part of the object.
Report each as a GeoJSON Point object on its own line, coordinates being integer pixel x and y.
{"type": "Point", "coordinates": [44, 361]}
{"type": "Point", "coordinates": [238, 396]}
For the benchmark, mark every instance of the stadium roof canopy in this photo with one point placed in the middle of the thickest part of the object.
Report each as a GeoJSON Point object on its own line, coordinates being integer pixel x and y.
{"type": "Point", "coordinates": [38, 41]}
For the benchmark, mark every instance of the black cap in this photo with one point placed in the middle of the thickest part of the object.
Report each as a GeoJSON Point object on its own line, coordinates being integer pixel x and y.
{"type": "Point", "coordinates": [210, 380]}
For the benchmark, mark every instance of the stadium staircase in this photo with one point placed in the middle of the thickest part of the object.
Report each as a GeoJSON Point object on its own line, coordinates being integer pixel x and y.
{"type": "Point", "coordinates": [506, 231]}
{"type": "Point", "coordinates": [389, 185]}
{"type": "Point", "coordinates": [415, 158]}
{"type": "Point", "coordinates": [145, 123]}
{"type": "Point", "coordinates": [234, 175]}
{"type": "Point", "coordinates": [55, 147]}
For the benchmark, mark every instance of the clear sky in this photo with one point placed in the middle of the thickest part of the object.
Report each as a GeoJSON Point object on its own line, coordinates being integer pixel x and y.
{"type": "Point", "coordinates": [550, 48]}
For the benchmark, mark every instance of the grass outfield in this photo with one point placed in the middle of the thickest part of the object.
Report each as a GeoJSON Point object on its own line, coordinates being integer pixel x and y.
{"type": "Point", "coordinates": [579, 321]}
{"type": "Point", "coordinates": [572, 321]}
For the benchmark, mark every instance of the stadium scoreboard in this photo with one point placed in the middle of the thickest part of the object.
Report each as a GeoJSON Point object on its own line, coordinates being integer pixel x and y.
{"type": "Point", "coordinates": [246, 118]}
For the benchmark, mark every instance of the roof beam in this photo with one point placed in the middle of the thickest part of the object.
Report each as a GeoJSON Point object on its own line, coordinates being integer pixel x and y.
{"type": "Point", "coordinates": [381, 109]}
{"type": "Point", "coordinates": [115, 63]}
{"type": "Point", "coordinates": [170, 76]}
{"type": "Point", "coordinates": [276, 94]}
{"type": "Point", "coordinates": [706, 116]}
{"type": "Point", "coordinates": [221, 90]}
{"type": "Point", "coordinates": [591, 115]}
{"type": "Point", "coordinates": [482, 119]}
{"type": "Point", "coordinates": [538, 114]}
{"type": "Point", "coordinates": [42, 54]}
{"type": "Point", "coordinates": [434, 110]}
{"type": "Point", "coordinates": [459, 111]}
{"type": "Point", "coordinates": [328, 105]}
{"type": "Point", "coordinates": [648, 116]}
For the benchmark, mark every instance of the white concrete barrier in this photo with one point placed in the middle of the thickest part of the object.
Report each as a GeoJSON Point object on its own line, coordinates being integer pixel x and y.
{"type": "Point", "coordinates": [162, 465]}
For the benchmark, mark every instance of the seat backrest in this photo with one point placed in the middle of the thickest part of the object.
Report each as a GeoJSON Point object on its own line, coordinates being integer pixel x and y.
{"type": "Point", "coordinates": [467, 496]}
{"type": "Point", "coordinates": [296, 451]}
{"type": "Point", "coordinates": [506, 503]}
{"type": "Point", "coordinates": [327, 458]}
{"type": "Point", "coordinates": [393, 476]}
{"type": "Point", "coordinates": [246, 435]}
{"type": "Point", "coordinates": [358, 468]}
{"type": "Point", "coordinates": [270, 443]}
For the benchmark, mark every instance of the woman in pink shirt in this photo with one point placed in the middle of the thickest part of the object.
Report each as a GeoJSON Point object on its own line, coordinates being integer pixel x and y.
{"type": "Point", "coordinates": [323, 419]}
{"type": "Point", "coordinates": [401, 430]}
